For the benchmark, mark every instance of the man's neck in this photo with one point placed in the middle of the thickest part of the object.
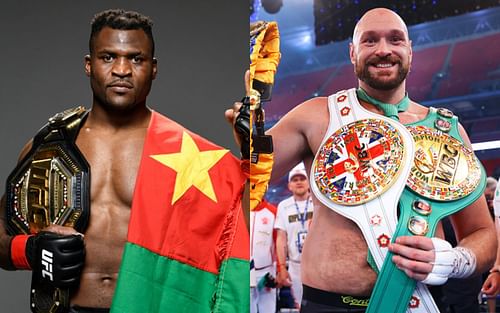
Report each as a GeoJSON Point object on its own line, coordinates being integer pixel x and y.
{"type": "Point", "coordinates": [103, 117]}
{"type": "Point", "coordinates": [301, 197]}
{"type": "Point", "coordinates": [392, 96]}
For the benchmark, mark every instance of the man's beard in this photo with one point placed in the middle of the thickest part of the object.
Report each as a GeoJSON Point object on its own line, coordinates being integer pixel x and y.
{"type": "Point", "coordinates": [363, 73]}
{"type": "Point", "coordinates": [301, 192]}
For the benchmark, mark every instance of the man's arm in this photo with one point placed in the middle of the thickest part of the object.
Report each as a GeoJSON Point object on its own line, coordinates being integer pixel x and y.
{"type": "Point", "coordinates": [290, 140]}
{"type": "Point", "coordinates": [5, 239]}
{"type": "Point", "coordinates": [474, 228]}
{"type": "Point", "coordinates": [491, 286]}
{"type": "Point", "coordinates": [283, 277]}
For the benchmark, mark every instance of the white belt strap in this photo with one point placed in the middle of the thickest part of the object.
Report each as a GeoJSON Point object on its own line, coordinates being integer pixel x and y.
{"type": "Point", "coordinates": [374, 211]}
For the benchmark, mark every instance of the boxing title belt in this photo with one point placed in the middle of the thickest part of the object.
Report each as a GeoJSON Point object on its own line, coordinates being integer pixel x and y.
{"type": "Point", "coordinates": [361, 169]}
{"type": "Point", "coordinates": [50, 185]}
{"type": "Point", "coordinates": [445, 178]}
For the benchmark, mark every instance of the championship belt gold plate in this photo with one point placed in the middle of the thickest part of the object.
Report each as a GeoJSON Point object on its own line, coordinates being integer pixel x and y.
{"type": "Point", "coordinates": [359, 161]}
{"type": "Point", "coordinates": [48, 190]}
{"type": "Point", "coordinates": [444, 168]}
{"type": "Point", "coordinates": [51, 185]}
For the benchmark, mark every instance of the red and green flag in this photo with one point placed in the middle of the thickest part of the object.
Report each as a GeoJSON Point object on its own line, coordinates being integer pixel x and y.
{"type": "Point", "coordinates": [187, 248]}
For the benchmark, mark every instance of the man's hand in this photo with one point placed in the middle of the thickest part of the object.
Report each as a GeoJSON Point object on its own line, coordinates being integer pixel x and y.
{"type": "Point", "coordinates": [432, 260]}
{"type": "Point", "coordinates": [57, 255]}
{"type": "Point", "coordinates": [491, 286]}
{"type": "Point", "coordinates": [232, 114]}
{"type": "Point", "coordinates": [283, 278]}
{"type": "Point", "coordinates": [413, 255]}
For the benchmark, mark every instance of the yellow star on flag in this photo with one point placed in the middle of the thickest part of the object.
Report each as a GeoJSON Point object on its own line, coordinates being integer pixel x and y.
{"type": "Point", "coordinates": [192, 167]}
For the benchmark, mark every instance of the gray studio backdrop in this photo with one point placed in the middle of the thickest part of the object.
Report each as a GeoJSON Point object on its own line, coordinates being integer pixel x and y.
{"type": "Point", "coordinates": [202, 52]}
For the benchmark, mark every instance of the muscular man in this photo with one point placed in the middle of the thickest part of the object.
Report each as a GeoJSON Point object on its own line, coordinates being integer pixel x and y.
{"type": "Point", "coordinates": [292, 224]}
{"type": "Point", "coordinates": [121, 67]}
{"type": "Point", "coordinates": [334, 258]}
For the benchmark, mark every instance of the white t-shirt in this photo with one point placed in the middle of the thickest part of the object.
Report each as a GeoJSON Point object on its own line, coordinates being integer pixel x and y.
{"type": "Point", "coordinates": [293, 219]}
{"type": "Point", "coordinates": [496, 201]}
{"type": "Point", "coordinates": [261, 237]}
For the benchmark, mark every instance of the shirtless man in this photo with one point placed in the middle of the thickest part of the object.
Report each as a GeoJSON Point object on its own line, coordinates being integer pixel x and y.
{"type": "Point", "coordinates": [334, 259]}
{"type": "Point", "coordinates": [121, 67]}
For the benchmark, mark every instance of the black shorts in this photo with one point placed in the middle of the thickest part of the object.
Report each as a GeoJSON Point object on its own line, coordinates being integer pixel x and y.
{"type": "Point", "coordinates": [79, 309]}
{"type": "Point", "coordinates": [320, 301]}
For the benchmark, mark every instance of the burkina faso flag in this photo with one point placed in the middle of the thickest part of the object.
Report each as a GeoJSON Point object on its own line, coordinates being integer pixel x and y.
{"type": "Point", "coordinates": [187, 248]}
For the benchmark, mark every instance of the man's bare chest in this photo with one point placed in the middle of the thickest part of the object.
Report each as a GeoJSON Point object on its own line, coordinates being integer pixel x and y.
{"type": "Point", "coordinates": [114, 163]}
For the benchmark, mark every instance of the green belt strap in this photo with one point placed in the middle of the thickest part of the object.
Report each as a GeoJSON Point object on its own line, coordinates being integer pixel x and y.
{"type": "Point", "coordinates": [393, 289]}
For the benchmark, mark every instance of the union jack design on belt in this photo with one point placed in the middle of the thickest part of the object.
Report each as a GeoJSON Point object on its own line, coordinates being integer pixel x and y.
{"type": "Point", "coordinates": [359, 161]}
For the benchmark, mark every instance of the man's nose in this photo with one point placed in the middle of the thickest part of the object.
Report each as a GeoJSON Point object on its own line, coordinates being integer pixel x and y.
{"type": "Point", "coordinates": [122, 67]}
{"type": "Point", "coordinates": [383, 48]}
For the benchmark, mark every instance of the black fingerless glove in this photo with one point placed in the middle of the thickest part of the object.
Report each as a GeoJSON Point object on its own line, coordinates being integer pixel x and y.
{"type": "Point", "coordinates": [55, 258]}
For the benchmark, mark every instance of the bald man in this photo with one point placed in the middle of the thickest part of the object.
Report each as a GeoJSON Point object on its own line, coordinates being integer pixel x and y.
{"type": "Point", "coordinates": [335, 271]}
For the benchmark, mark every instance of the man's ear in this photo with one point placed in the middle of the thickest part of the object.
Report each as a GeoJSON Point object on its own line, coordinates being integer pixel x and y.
{"type": "Point", "coordinates": [155, 68]}
{"type": "Point", "coordinates": [87, 65]}
{"type": "Point", "coordinates": [411, 57]}
{"type": "Point", "coordinates": [351, 53]}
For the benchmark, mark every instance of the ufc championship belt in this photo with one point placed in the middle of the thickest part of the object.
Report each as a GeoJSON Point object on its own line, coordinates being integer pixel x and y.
{"type": "Point", "coordinates": [361, 168]}
{"type": "Point", "coordinates": [51, 185]}
{"type": "Point", "coordinates": [445, 178]}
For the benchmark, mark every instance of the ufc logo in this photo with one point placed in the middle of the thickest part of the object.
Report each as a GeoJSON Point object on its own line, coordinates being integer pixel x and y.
{"type": "Point", "coordinates": [47, 260]}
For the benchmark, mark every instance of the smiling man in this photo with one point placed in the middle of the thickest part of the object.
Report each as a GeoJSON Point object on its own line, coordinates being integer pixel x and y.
{"type": "Point", "coordinates": [120, 191]}
{"type": "Point", "coordinates": [335, 273]}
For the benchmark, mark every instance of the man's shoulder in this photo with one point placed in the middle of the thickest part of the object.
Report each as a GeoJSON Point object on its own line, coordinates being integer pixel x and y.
{"type": "Point", "coordinates": [305, 116]}
{"type": "Point", "coordinates": [419, 109]}
{"type": "Point", "coordinates": [313, 103]}
{"type": "Point", "coordinates": [286, 202]}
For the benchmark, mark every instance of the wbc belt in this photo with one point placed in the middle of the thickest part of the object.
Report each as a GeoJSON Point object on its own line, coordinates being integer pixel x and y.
{"type": "Point", "coordinates": [50, 185]}
{"type": "Point", "coordinates": [445, 177]}
{"type": "Point", "coordinates": [376, 219]}
{"type": "Point", "coordinates": [361, 168]}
